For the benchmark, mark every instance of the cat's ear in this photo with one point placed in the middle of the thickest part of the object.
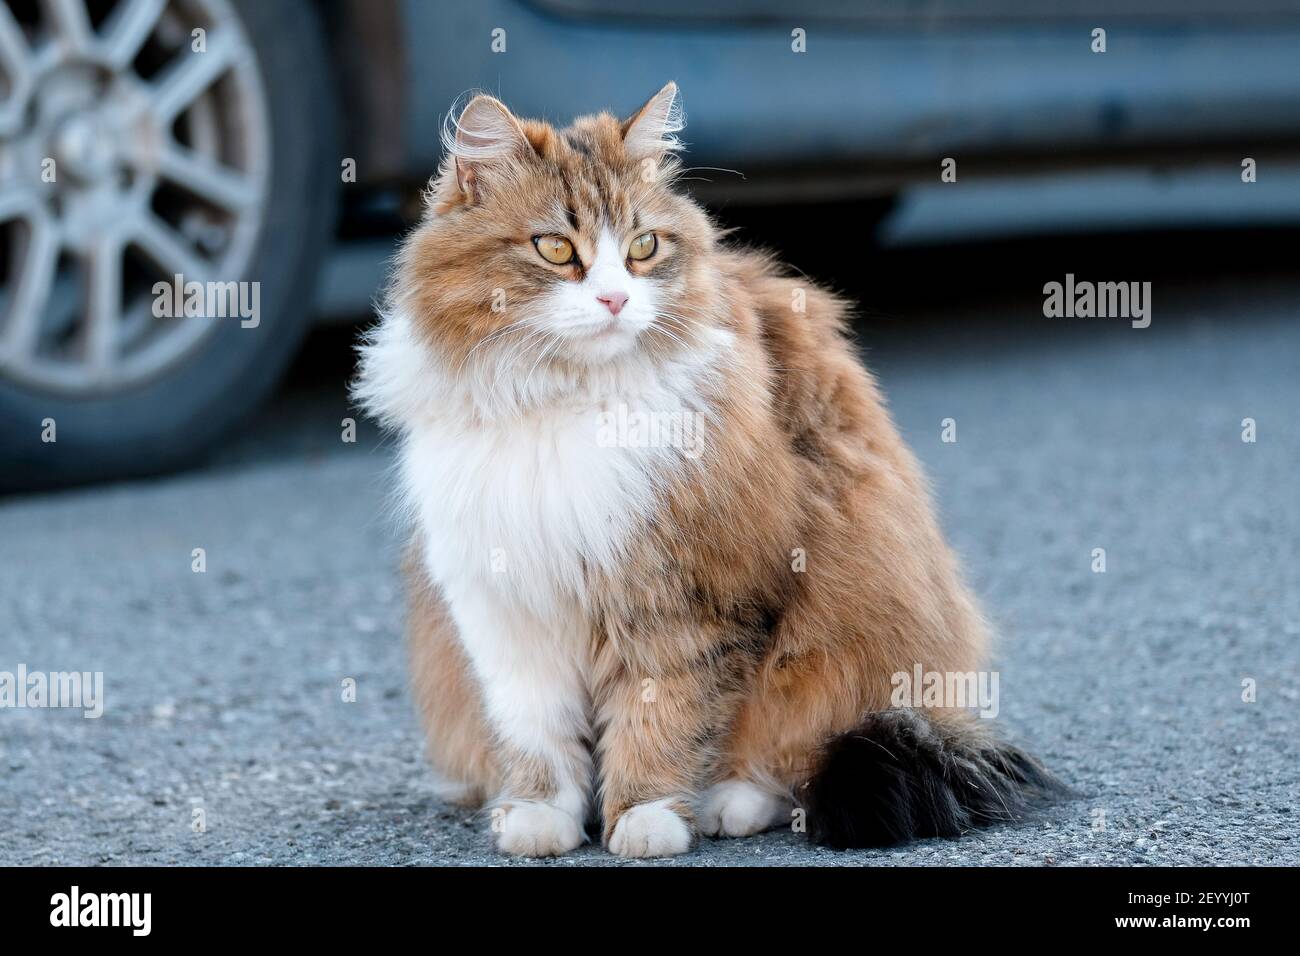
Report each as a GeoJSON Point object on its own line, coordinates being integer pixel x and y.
{"type": "Point", "coordinates": [652, 130]}
{"type": "Point", "coordinates": [483, 135]}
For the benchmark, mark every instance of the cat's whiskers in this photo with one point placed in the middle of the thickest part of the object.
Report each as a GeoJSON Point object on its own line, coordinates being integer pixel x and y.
{"type": "Point", "coordinates": [553, 345]}
{"type": "Point", "coordinates": [685, 323]}
{"type": "Point", "coordinates": [711, 169]}
{"type": "Point", "coordinates": [507, 359]}
{"type": "Point", "coordinates": [665, 330]}
{"type": "Point", "coordinates": [523, 349]}
{"type": "Point", "coordinates": [525, 323]}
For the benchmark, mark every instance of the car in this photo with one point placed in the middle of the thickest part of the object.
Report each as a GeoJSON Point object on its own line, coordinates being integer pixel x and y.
{"type": "Point", "coordinates": [187, 185]}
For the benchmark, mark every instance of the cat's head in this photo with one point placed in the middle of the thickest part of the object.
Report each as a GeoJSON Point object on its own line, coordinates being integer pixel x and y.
{"type": "Point", "coordinates": [544, 245]}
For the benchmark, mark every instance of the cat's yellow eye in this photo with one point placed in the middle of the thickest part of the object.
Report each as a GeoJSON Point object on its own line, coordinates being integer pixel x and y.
{"type": "Point", "coordinates": [643, 246]}
{"type": "Point", "coordinates": [554, 249]}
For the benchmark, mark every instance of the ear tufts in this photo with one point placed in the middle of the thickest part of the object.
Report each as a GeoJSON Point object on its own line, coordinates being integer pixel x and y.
{"type": "Point", "coordinates": [652, 130]}
{"type": "Point", "coordinates": [485, 131]}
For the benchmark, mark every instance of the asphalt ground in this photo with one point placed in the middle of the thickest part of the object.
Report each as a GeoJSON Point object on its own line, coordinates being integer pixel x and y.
{"type": "Point", "coordinates": [223, 694]}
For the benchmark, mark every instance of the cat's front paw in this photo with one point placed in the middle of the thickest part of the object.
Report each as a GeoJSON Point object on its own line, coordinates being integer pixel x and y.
{"type": "Point", "coordinates": [739, 808]}
{"type": "Point", "coordinates": [650, 829]}
{"type": "Point", "coordinates": [529, 828]}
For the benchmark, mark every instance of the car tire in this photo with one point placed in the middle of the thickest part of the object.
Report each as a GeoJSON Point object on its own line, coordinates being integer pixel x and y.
{"type": "Point", "coordinates": [182, 412]}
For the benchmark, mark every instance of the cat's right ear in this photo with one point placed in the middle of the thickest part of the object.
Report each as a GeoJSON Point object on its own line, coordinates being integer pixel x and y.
{"type": "Point", "coordinates": [483, 135]}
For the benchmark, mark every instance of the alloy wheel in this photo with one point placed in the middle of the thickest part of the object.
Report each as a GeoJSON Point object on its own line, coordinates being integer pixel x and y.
{"type": "Point", "coordinates": [134, 147]}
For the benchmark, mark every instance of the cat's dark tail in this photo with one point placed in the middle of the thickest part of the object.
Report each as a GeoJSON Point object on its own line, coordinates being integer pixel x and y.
{"type": "Point", "coordinates": [903, 775]}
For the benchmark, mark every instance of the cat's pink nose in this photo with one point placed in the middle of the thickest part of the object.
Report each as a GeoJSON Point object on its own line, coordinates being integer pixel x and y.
{"type": "Point", "coordinates": [614, 301]}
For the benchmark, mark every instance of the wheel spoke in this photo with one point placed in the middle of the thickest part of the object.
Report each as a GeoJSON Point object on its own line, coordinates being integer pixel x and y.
{"type": "Point", "coordinates": [127, 29]}
{"type": "Point", "coordinates": [103, 302]}
{"type": "Point", "coordinates": [32, 290]}
{"type": "Point", "coordinates": [191, 74]}
{"type": "Point", "coordinates": [15, 55]}
{"type": "Point", "coordinates": [16, 64]}
{"type": "Point", "coordinates": [221, 185]}
{"type": "Point", "coordinates": [16, 203]}
{"type": "Point", "coordinates": [169, 251]}
{"type": "Point", "coordinates": [71, 23]}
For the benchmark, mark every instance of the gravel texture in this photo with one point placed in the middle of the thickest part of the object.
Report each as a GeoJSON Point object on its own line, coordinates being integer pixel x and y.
{"type": "Point", "coordinates": [223, 690]}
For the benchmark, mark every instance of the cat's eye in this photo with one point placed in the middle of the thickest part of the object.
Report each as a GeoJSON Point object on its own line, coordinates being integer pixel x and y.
{"type": "Point", "coordinates": [555, 249]}
{"type": "Point", "coordinates": [643, 246]}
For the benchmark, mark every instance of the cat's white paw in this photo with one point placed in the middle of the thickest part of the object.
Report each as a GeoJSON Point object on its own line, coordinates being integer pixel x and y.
{"type": "Point", "coordinates": [529, 828]}
{"type": "Point", "coordinates": [650, 829]}
{"type": "Point", "coordinates": [738, 808]}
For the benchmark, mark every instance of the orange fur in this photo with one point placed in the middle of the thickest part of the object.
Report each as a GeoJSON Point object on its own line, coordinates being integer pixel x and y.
{"type": "Point", "coordinates": [751, 663]}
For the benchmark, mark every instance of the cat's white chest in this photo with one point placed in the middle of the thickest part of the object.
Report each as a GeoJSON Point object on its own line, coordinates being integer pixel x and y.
{"type": "Point", "coordinates": [523, 507]}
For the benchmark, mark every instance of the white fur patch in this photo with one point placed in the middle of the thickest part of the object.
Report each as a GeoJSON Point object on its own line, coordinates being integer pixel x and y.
{"type": "Point", "coordinates": [537, 829]}
{"type": "Point", "coordinates": [738, 808]}
{"type": "Point", "coordinates": [650, 829]}
{"type": "Point", "coordinates": [531, 674]}
{"type": "Point", "coordinates": [516, 495]}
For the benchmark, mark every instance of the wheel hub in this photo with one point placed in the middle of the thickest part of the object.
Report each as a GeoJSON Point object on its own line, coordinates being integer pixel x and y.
{"type": "Point", "coordinates": [83, 148]}
{"type": "Point", "coordinates": [97, 136]}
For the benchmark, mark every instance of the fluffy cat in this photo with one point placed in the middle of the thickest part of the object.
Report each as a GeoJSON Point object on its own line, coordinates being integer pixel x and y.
{"type": "Point", "coordinates": [609, 623]}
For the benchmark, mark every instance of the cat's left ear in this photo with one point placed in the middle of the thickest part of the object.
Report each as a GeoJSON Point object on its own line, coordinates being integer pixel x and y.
{"type": "Point", "coordinates": [652, 130]}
